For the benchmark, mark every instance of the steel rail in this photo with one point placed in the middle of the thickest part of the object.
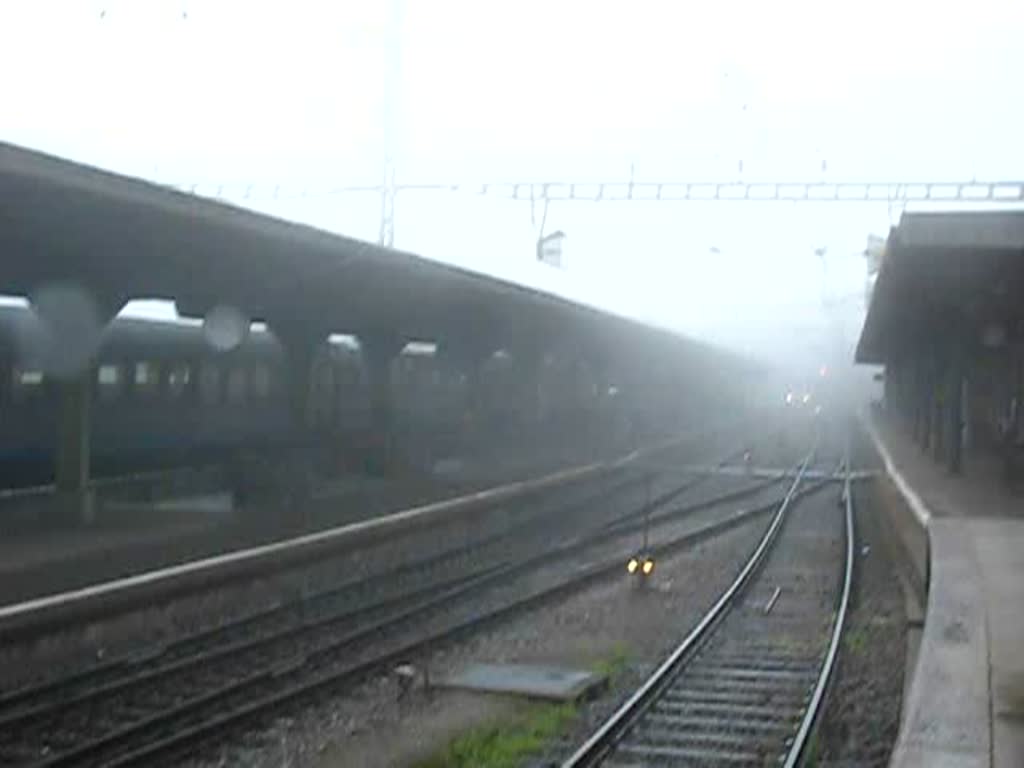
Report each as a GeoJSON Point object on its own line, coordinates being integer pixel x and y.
{"type": "Point", "coordinates": [179, 741]}
{"type": "Point", "coordinates": [599, 742]}
{"type": "Point", "coordinates": [796, 752]}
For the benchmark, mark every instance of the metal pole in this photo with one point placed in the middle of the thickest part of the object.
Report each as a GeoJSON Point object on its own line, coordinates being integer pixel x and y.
{"type": "Point", "coordinates": [392, 82]}
{"type": "Point", "coordinates": [647, 512]}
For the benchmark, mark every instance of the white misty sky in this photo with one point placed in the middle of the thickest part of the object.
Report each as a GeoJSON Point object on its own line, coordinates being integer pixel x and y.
{"type": "Point", "coordinates": [292, 94]}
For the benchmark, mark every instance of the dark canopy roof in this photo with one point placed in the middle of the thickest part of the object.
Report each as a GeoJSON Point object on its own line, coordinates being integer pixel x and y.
{"type": "Point", "coordinates": [124, 238]}
{"type": "Point", "coordinates": [945, 273]}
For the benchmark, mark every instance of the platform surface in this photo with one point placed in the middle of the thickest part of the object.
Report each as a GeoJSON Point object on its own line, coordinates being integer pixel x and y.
{"type": "Point", "coordinates": [977, 491]}
{"type": "Point", "coordinates": [966, 704]}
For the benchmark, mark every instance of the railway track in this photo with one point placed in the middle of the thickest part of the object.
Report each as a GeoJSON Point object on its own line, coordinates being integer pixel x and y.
{"type": "Point", "coordinates": [746, 685]}
{"type": "Point", "coordinates": [136, 711]}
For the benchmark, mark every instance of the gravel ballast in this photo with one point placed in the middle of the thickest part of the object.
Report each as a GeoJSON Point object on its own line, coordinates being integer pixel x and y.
{"type": "Point", "coordinates": [29, 660]}
{"type": "Point", "coordinates": [625, 631]}
{"type": "Point", "coordinates": [371, 726]}
{"type": "Point", "coordinates": [862, 718]}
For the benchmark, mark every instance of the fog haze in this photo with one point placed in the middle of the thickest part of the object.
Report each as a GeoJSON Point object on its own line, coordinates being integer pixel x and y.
{"type": "Point", "coordinates": [290, 99]}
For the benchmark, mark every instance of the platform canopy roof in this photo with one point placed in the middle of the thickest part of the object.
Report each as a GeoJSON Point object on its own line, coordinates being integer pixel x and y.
{"type": "Point", "coordinates": [946, 275]}
{"type": "Point", "coordinates": [123, 238]}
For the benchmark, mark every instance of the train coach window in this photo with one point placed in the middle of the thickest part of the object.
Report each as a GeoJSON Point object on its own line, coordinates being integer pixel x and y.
{"type": "Point", "coordinates": [260, 381]}
{"type": "Point", "coordinates": [25, 383]}
{"type": "Point", "coordinates": [236, 386]}
{"type": "Point", "coordinates": [178, 379]}
{"type": "Point", "coordinates": [209, 385]}
{"type": "Point", "coordinates": [108, 381]}
{"type": "Point", "coordinates": [147, 378]}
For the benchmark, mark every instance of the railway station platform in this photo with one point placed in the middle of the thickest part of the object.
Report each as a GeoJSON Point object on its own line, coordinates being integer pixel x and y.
{"type": "Point", "coordinates": [133, 533]}
{"type": "Point", "coordinates": [130, 536]}
{"type": "Point", "coordinates": [965, 706]}
{"type": "Point", "coordinates": [34, 564]}
{"type": "Point", "coordinates": [946, 320]}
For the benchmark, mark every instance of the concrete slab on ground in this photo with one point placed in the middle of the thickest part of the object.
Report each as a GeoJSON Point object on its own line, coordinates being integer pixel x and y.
{"type": "Point", "coordinates": [554, 683]}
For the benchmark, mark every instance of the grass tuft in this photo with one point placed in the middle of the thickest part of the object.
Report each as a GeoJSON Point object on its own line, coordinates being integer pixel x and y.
{"type": "Point", "coordinates": [504, 745]}
{"type": "Point", "coordinates": [508, 744]}
{"type": "Point", "coordinates": [857, 640]}
{"type": "Point", "coordinates": [613, 666]}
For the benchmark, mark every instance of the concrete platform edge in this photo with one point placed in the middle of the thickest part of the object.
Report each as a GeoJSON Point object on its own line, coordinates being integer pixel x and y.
{"type": "Point", "coordinates": [917, 506]}
{"type": "Point", "coordinates": [947, 717]}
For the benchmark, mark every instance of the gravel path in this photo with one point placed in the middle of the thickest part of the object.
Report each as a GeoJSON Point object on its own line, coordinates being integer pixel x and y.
{"type": "Point", "coordinates": [863, 715]}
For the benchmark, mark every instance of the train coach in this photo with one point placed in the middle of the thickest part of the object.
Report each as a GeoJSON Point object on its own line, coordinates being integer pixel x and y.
{"type": "Point", "coordinates": [164, 397]}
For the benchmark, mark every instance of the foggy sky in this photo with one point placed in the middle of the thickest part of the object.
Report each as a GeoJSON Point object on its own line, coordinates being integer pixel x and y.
{"type": "Point", "coordinates": [291, 94]}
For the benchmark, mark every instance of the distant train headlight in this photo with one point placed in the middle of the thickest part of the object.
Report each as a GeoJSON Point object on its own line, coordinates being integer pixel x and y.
{"type": "Point", "coordinates": [648, 567]}
{"type": "Point", "coordinates": [632, 565]}
{"type": "Point", "coordinates": [789, 398]}
{"type": "Point", "coordinates": [807, 399]}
